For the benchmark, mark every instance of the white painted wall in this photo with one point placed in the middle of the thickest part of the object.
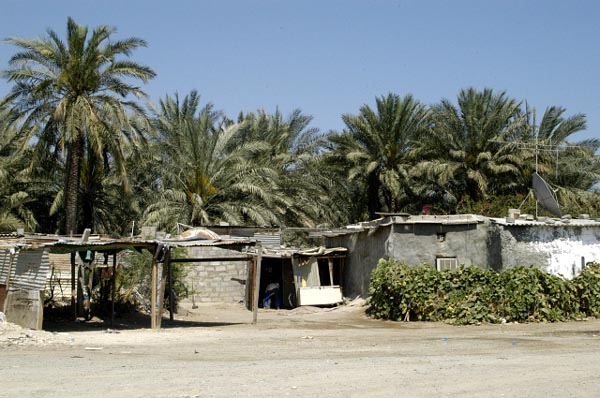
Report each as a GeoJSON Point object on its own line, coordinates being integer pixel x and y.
{"type": "Point", "coordinates": [558, 250]}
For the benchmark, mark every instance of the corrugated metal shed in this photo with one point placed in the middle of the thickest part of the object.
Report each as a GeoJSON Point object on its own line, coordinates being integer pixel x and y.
{"type": "Point", "coordinates": [268, 239]}
{"type": "Point", "coordinates": [5, 265]}
{"type": "Point", "coordinates": [30, 270]}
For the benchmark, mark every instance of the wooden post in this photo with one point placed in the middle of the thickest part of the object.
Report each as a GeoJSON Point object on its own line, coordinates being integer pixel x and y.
{"type": "Point", "coordinates": [330, 271]}
{"type": "Point", "coordinates": [153, 294]}
{"type": "Point", "coordinates": [170, 271]}
{"type": "Point", "coordinates": [342, 273]}
{"type": "Point", "coordinates": [161, 291]}
{"type": "Point", "coordinates": [249, 284]}
{"type": "Point", "coordinates": [256, 283]}
{"type": "Point", "coordinates": [113, 290]}
{"type": "Point", "coordinates": [73, 288]}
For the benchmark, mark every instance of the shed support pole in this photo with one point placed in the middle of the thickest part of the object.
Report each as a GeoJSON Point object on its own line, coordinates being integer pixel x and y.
{"type": "Point", "coordinates": [73, 288]}
{"type": "Point", "coordinates": [113, 291]}
{"type": "Point", "coordinates": [330, 271]}
{"type": "Point", "coordinates": [161, 291]}
{"type": "Point", "coordinates": [171, 298]}
{"type": "Point", "coordinates": [153, 294]}
{"type": "Point", "coordinates": [256, 283]}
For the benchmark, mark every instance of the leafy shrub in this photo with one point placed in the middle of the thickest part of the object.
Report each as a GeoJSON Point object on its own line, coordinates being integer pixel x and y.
{"type": "Point", "coordinates": [587, 286]}
{"type": "Point", "coordinates": [471, 295]}
{"type": "Point", "coordinates": [387, 288]}
{"type": "Point", "coordinates": [529, 294]}
{"type": "Point", "coordinates": [464, 294]}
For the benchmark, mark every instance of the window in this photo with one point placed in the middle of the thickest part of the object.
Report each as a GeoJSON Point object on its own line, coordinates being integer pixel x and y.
{"type": "Point", "coordinates": [443, 263]}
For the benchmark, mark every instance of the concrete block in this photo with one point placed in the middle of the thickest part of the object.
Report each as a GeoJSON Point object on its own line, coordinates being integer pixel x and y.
{"type": "Point", "coordinates": [25, 308]}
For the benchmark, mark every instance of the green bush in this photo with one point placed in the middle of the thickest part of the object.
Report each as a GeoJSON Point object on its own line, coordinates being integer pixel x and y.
{"type": "Point", "coordinates": [529, 294]}
{"type": "Point", "coordinates": [587, 286]}
{"type": "Point", "coordinates": [471, 295]}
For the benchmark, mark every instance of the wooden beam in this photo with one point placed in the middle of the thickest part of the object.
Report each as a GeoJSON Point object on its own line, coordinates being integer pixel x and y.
{"type": "Point", "coordinates": [256, 283]}
{"type": "Point", "coordinates": [208, 259]}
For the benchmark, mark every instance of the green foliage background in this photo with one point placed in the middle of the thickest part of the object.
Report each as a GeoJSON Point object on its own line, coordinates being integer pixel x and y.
{"type": "Point", "coordinates": [134, 279]}
{"type": "Point", "coordinates": [471, 295]}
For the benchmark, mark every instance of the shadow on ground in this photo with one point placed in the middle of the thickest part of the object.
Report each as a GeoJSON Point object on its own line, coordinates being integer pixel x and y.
{"type": "Point", "coordinates": [61, 320]}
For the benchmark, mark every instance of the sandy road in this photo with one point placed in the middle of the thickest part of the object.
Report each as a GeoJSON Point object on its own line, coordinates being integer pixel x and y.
{"type": "Point", "coordinates": [304, 353]}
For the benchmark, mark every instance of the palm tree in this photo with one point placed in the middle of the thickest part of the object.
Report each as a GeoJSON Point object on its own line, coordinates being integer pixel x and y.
{"type": "Point", "coordinates": [14, 197]}
{"type": "Point", "coordinates": [106, 208]}
{"type": "Point", "coordinates": [468, 154]}
{"type": "Point", "coordinates": [573, 167]}
{"type": "Point", "coordinates": [564, 163]}
{"type": "Point", "coordinates": [206, 173]}
{"type": "Point", "coordinates": [291, 149]}
{"type": "Point", "coordinates": [75, 94]}
{"type": "Point", "coordinates": [376, 147]}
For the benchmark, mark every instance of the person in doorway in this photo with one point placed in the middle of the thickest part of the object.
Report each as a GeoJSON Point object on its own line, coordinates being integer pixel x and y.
{"type": "Point", "coordinates": [272, 292]}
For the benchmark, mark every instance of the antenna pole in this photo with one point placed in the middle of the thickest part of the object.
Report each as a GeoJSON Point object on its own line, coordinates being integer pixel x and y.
{"type": "Point", "coordinates": [537, 142]}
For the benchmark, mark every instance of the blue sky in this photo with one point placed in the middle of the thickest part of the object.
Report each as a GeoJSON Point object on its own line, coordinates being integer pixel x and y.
{"type": "Point", "coordinates": [330, 57]}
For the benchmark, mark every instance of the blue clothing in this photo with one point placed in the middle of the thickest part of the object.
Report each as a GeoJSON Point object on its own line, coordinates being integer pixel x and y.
{"type": "Point", "coordinates": [272, 293]}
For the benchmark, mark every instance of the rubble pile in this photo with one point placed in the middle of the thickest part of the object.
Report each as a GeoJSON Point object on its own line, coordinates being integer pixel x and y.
{"type": "Point", "coordinates": [12, 335]}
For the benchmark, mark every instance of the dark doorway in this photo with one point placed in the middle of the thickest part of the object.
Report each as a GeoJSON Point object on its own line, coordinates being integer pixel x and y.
{"type": "Point", "coordinates": [278, 270]}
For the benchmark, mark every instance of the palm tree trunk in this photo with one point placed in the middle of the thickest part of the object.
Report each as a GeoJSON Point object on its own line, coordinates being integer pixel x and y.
{"type": "Point", "coordinates": [373, 204]}
{"type": "Point", "coordinates": [393, 203]}
{"type": "Point", "coordinates": [72, 184]}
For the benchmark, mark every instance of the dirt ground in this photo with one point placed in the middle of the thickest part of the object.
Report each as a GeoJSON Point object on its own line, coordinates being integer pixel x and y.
{"type": "Point", "coordinates": [214, 351]}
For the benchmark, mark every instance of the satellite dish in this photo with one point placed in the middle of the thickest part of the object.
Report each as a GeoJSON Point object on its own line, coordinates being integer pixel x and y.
{"type": "Point", "coordinates": [544, 195]}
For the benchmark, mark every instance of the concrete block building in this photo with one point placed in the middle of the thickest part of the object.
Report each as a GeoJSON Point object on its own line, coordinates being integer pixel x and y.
{"type": "Point", "coordinates": [559, 246]}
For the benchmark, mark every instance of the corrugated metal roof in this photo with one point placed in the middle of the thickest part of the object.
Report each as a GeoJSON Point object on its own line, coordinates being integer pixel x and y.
{"type": "Point", "coordinates": [548, 222]}
{"type": "Point", "coordinates": [450, 219]}
{"type": "Point", "coordinates": [59, 244]}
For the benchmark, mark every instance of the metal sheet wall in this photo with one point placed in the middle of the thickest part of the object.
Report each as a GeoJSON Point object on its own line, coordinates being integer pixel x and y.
{"type": "Point", "coordinates": [30, 270]}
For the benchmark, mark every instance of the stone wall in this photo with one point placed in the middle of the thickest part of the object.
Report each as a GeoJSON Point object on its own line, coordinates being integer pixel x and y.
{"type": "Point", "coordinates": [215, 281]}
